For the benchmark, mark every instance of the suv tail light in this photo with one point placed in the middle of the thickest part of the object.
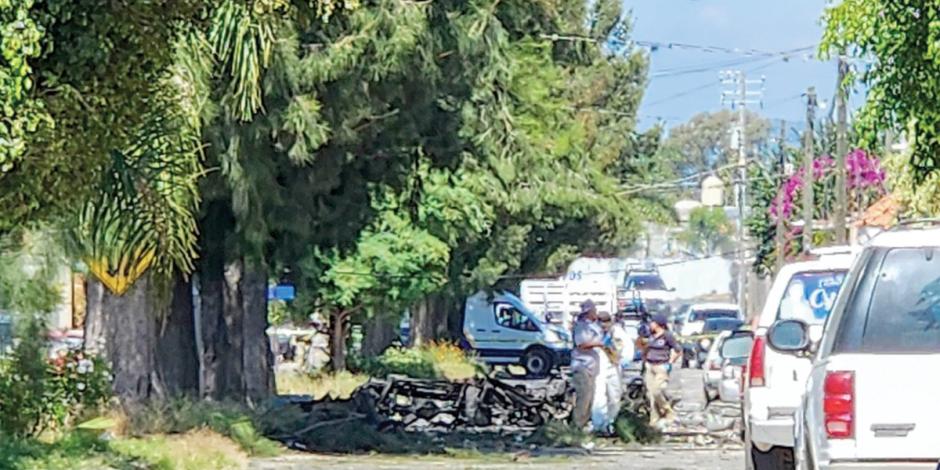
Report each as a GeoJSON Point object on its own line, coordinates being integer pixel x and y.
{"type": "Point", "coordinates": [755, 367]}
{"type": "Point", "coordinates": [839, 405]}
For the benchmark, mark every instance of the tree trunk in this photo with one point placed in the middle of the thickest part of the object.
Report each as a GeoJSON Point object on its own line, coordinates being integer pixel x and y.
{"type": "Point", "coordinates": [421, 330]}
{"type": "Point", "coordinates": [130, 341]}
{"type": "Point", "coordinates": [176, 352]}
{"type": "Point", "coordinates": [379, 334]}
{"type": "Point", "coordinates": [238, 361]}
{"type": "Point", "coordinates": [94, 321]}
{"type": "Point", "coordinates": [257, 356]}
{"type": "Point", "coordinates": [338, 341]}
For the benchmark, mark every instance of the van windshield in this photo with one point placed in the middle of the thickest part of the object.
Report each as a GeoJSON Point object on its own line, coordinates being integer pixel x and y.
{"type": "Point", "coordinates": [896, 306]}
{"type": "Point", "coordinates": [810, 295]}
{"type": "Point", "coordinates": [645, 282]}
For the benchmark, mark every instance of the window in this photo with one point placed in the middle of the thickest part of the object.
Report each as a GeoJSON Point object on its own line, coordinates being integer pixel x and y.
{"type": "Point", "coordinates": [810, 296]}
{"type": "Point", "coordinates": [702, 315]}
{"type": "Point", "coordinates": [645, 282]}
{"type": "Point", "coordinates": [721, 324]}
{"type": "Point", "coordinates": [510, 317]}
{"type": "Point", "coordinates": [737, 346]}
{"type": "Point", "coordinates": [896, 306]}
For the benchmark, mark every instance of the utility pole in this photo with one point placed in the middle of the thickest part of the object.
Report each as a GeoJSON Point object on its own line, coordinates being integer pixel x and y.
{"type": "Point", "coordinates": [841, 150]}
{"type": "Point", "coordinates": [781, 240]}
{"type": "Point", "coordinates": [808, 151]}
{"type": "Point", "coordinates": [740, 102]}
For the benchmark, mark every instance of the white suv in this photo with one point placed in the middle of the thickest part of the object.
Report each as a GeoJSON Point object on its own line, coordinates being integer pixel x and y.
{"type": "Point", "coordinates": [872, 396]}
{"type": "Point", "coordinates": [775, 379]}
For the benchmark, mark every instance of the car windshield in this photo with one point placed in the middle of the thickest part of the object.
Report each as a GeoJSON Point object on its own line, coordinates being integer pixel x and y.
{"type": "Point", "coordinates": [702, 315]}
{"type": "Point", "coordinates": [810, 295]}
{"type": "Point", "coordinates": [645, 282]}
{"type": "Point", "coordinates": [896, 306]}
{"type": "Point", "coordinates": [737, 346]}
{"type": "Point", "coordinates": [721, 324]}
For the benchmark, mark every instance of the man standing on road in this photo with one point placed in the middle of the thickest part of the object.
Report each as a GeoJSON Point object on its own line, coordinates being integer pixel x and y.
{"type": "Point", "coordinates": [661, 351]}
{"type": "Point", "coordinates": [588, 341]}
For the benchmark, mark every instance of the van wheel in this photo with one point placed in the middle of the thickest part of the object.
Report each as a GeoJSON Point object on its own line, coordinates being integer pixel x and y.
{"type": "Point", "coordinates": [537, 362]}
{"type": "Point", "coordinates": [778, 458]}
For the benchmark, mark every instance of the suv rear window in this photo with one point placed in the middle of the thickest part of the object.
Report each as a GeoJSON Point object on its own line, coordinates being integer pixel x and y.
{"type": "Point", "coordinates": [702, 315]}
{"type": "Point", "coordinates": [721, 324]}
{"type": "Point", "coordinates": [810, 296]}
{"type": "Point", "coordinates": [896, 306]}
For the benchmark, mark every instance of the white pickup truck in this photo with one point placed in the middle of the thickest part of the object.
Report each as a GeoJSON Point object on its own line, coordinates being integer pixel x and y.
{"type": "Point", "coordinates": [501, 329]}
{"type": "Point", "coordinates": [558, 301]}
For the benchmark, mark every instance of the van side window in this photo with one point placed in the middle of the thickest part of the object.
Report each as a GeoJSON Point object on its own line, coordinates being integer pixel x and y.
{"type": "Point", "coordinates": [510, 317]}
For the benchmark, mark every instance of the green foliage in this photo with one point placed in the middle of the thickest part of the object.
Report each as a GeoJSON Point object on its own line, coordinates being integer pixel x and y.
{"type": "Point", "coordinates": [20, 113]}
{"type": "Point", "coordinates": [903, 85]}
{"type": "Point", "coordinates": [39, 394]}
{"type": "Point", "coordinates": [432, 361]}
{"type": "Point", "coordinates": [705, 142]}
{"type": "Point", "coordinates": [762, 190]}
{"type": "Point", "coordinates": [634, 428]}
{"type": "Point", "coordinates": [30, 260]}
{"type": "Point", "coordinates": [709, 229]}
{"type": "Point", "coordinates": [918, 199]}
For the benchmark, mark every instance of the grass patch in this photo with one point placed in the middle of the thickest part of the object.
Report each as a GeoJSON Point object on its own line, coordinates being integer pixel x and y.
{"type": "Point", "coordinates": [338, 386]}
{"type": "Point", "coordinates": [194, 450]}
{"type": "Point", "coordinates": [231, 420]}
{"type": "Point", "coordinates": [432, 361]}
{"type": "Point", "coordinates": [191, 451]}
{"type": "Point", "coordinates": [559, 434]}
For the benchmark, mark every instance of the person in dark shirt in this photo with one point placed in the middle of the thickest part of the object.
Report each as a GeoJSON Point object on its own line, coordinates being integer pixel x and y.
{"type": "Point", "coordinates": [662, 349]}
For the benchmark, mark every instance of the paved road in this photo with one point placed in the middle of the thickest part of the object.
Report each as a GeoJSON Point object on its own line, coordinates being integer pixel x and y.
{"type": "Point", "coordinates": [686, 384]}
{"type": "Point", "coordinates": [613, 459]}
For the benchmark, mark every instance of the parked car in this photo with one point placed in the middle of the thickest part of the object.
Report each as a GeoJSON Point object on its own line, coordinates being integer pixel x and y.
{"type": "Point", "coordinates": [694, 321]}
{"type": "Point", "coordinates": [712, 365]}
{"type": "Point", "coordinates": [696, 347]}
{"type": "Point", "coordinates": [775, 381]}
{"type": "Point", "coordinates": [735, 350]}
{"type": "Point", "coordinates": [500, 329]}
{"type": "Point", "coordinates": [871, 396]}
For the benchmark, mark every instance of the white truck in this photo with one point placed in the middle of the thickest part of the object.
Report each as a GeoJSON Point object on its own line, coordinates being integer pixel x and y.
{"type": "Point", "coordinates": [558, 302]}
{"type": "Point", "coordinates": [502, 330]}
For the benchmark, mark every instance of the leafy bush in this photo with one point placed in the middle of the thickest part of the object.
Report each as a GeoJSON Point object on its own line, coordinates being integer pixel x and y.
{"type": "Point", "coordinates": [432, 361]}
{"type": "Point", "coordinates": [39, 394]}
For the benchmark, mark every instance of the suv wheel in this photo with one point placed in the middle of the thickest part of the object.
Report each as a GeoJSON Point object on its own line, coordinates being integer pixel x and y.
{"type": "Point", "coordinates": [537, 362]}
{"type": "Point", "coordinates": [778, 458]}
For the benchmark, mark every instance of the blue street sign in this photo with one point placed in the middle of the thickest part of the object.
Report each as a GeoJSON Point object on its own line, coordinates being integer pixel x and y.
{"type": "Point", "coordinates": [281, 292]}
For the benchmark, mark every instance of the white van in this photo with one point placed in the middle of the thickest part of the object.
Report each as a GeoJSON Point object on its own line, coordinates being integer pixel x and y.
{"type": "Point", "coordinates": [500, 329]}
{"type": "Point", "coordinates": [804, 291]}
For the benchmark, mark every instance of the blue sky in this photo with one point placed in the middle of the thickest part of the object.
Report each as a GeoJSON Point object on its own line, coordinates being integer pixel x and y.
{"type": "Point", "coordinates": [678, 92]}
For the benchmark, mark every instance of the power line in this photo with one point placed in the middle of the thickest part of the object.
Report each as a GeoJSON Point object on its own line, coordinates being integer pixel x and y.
{"type": "Point", "coordinates": [655, 46]}
{"type": "Point", "coordinates": [706, 85]}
